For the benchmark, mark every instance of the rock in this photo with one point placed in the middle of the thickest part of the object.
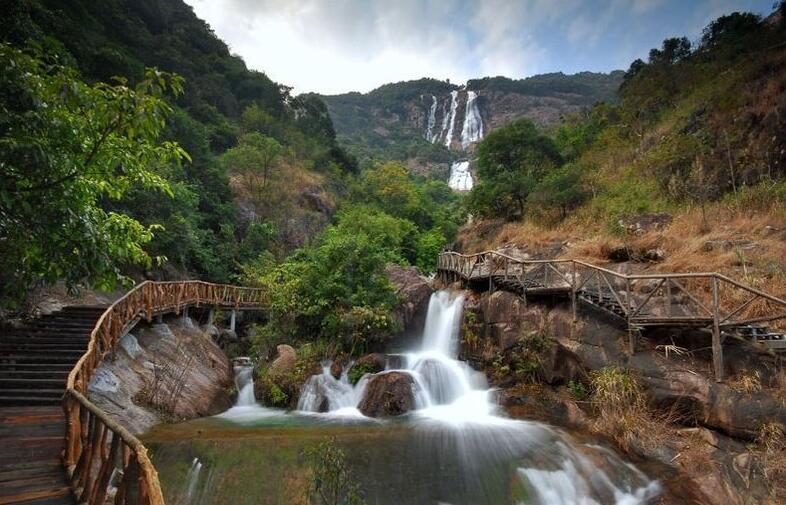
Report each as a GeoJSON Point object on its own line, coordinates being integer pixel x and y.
{"type": "Point", "coordinates": [388, 394]}
{"type": "Point", "coordinates": [211, 330]}
{"type": "Point", "coordinates": [284, 362]}
{"type": "Point", "coordinates": [503, 307]}
{"type": "Point", "coordinates": [104, 381]}
{"type": "Point", "coordinates": [226, 336]}
{"type": "Point", "coordinates": [370, 363]}
{"type": "Point", "coordinates": [618, 254]}
{"type": "Point", "coordinates": [412, 289]}
{"type": "Point", "coordinates": [130, 344]}
{"type": "Point", "coordinates": [653, 255]}
{"type": "Point", "coordinates": [642, 223]}
{"type": "Point", "coordinates": [728, 245]}
{"type": "Point", "coordinates": [337, 367]}
{"type": "Point", "coordinates": [163, 374]}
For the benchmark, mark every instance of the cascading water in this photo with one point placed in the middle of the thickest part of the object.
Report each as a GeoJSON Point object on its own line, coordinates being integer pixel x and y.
{"type": "Point", "coordinates": [456, 417]}
{"type": "Point", "coordinates": [192, 480]}
{"type": "Point", "coordinates": [472, 130]}
{"type": "Point", "coordinates": [432, 120]}
{"type": "Point", "coordinates": [452, 118]}
{"type": "Point", "coordinates": [460, 177]}
{"type": "Point", "coordinates": [244, 382]}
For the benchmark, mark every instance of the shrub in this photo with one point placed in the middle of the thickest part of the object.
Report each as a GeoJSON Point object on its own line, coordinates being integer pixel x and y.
{"type": "Point", "coordinates": [331, 478]}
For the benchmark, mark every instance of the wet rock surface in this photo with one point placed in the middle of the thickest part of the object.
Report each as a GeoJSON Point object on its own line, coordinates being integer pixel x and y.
{"type": "Point", "coordinates": [388, 394]}
{"type": "Point", "coordinates": [713, 453]}
{"type": "Point", "coordinates": [160, 373]}
{"type": "Point", "coordinates": [414, 291]}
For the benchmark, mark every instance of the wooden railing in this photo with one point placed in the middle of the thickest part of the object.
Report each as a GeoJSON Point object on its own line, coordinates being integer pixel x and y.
{"type": "Point", "coordinates": [104, 461]}
{"type": "Point", "coordinates": [679, 299]}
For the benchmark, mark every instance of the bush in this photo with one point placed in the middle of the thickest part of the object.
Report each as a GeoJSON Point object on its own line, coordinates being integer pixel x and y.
{"type": "Point", "coordinates": [331, 479]}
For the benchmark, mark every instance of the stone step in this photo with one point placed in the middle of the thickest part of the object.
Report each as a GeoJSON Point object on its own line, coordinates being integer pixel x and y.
{"type": "Point", "coordinates": [61, 375]}
{"type": "Point", "coordinates": [41, 359]}
{"type": "Point", "coordinates": [31, 399]}
{"type": "Point", "coordinates": [26, 392]}
{"type": "Point", "coordinates": [28, 383]}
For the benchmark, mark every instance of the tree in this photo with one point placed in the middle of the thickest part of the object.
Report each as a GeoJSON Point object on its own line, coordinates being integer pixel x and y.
{"type": "Point", "coordinates": [560, 188]}
{"type": "Point", "coordinates": [66, 147]}
{"type": "Point", "coordinates": [331, 478]}
{"type": "Point", "coordinates": [254, 158]}
{"type": "Point", "coordinates": [390, 187]}
{"type": "Point", "coordinates": [511, 162]}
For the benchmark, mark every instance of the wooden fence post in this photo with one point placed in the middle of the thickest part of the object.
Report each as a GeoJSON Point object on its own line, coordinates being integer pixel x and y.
{"type": "Point", "coordinates": [717, 349]}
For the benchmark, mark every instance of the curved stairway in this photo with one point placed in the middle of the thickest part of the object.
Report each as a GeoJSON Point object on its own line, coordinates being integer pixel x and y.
{"type": "Point", "coordinates": [34, 364]}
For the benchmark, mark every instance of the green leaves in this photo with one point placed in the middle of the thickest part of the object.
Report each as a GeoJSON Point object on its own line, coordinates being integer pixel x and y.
{"type": "Point", "coordinates": [68, 146]}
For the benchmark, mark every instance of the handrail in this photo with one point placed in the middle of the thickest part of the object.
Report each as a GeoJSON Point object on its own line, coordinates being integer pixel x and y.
{"type": "Point", "coordinates": [97, 447]}
{"type": "Point", "coordinates": [668, 281]}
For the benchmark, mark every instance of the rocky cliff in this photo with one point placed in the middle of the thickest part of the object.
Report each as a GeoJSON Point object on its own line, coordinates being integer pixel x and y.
{"type": "Point", "coordinates": [429, 123]}
{"type": "Point", "coordinates": [540, 358]}
{"type": "Point", "coordinates": [163, 372]}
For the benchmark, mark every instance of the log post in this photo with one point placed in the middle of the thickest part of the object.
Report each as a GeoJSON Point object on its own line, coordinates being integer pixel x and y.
{"type": "Point", "coordinates": [573, 293]}
{"type": "Point", "coordinates": [717, 349]}
{"type": "Point", "coordinates": [631, 333]}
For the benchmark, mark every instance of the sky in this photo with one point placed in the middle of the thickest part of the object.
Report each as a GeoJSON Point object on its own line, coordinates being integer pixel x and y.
{"type": "Point", "coordinates": [336, 46]}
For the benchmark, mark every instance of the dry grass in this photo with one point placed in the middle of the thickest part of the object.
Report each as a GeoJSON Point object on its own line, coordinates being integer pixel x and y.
{"type": "Point", "coordinates": [745, 382]}
{"type": "Point", "coordinates": [771, 446]}
{"type": "Point", "coordinates": [621, 410]}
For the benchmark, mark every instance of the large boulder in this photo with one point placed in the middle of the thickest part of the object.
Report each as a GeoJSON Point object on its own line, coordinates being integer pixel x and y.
{"type": "Point", "coordinates": [370, 363]}
{"type": "Point", "coordinates": [284, 362]}
{"type": "Point", "coordinates": [388, 394]}
{"type": "Point", "coordinates": [412, 289]}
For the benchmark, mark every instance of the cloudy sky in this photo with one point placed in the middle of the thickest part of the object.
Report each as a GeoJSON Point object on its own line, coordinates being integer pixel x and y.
{"type": "Point", "coordinates": [334, 46]}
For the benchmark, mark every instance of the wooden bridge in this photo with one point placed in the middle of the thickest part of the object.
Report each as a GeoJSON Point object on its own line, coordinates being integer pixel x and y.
{"type": "Point", "coordinates": [714, 301]}
{"type": "Point", "coordinates": [58, 447]}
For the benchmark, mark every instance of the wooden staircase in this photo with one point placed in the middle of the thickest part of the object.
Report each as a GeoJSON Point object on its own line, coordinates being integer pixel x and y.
{"type": "Point", "coordinates": [34, 364]}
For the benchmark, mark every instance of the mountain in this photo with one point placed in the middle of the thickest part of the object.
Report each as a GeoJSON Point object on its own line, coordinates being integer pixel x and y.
{"type": "Point", "coordinates": [429, 123]}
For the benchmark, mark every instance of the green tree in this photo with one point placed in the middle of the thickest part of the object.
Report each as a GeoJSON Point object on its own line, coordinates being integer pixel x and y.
{"type": "Point", "coordinates": [331, 478]}
{"type": "Point", "coordinates": [67, 146]}
{"type": "Point", "coordinates": [561, 188]}
{"type": "Point", "coordinates": [511, 162]}
{"type": "Point", "coordinates": [254, 157]}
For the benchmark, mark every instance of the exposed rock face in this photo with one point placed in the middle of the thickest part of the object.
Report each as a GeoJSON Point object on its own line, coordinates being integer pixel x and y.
{"type": "Point", "coordinates": [414, 291]}
{"type": "Point", "coordinates": [680, 385]}
{"type": "Point", "coordinates": [285, 361]}
{"type": "Point", "coordinates": [388, 394]}
{"type": "Point", "coordinates": [370, 363]}
{"type": "Point", "coordinates": [642, 223]}
{"type": "Point", "coordinates": [162, 372]}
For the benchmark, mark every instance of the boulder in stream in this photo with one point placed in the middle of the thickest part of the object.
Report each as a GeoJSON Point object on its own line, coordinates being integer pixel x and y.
{"type": "Point", "coordinates": [388, 394]}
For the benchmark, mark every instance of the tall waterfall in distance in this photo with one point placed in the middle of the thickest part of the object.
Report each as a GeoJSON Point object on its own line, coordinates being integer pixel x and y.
{"type": "Point", "coordinates": [452, 119]}
{"type": "Point", "coordinates": [473, 123]}
{"type": "Point", "coordinates": [432, 120]}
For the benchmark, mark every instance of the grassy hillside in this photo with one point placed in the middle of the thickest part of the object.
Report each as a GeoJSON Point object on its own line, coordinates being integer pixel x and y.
{"type": "Point", "coordinates": [699, 133]}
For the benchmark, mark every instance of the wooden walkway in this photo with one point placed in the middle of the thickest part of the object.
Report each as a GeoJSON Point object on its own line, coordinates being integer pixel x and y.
{"type": "Point", "coordinates": [703, 300]}
{"type": "Point", "coordinates": [34, 363]}
{"type": "Point", "coordinates": [56, 447]}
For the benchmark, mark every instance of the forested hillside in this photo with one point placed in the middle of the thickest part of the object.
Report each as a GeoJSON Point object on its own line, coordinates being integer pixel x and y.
{"type": "Point", "coordinates": [397, 121]}
{"type": "Point", "coordinates": [226, 118]}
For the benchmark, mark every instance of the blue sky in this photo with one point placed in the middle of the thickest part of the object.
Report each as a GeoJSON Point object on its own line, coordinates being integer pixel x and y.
{"type": "Point", "coordinates": [335, 46]}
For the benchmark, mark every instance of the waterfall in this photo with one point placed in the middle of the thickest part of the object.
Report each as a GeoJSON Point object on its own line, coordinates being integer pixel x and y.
{"type": "Point", "coordinates": [432, 120]}
{"type": "Point", "coordinates": [460, 177]}
{"type": "Point", "coordinates": [244, 381]}
{"type": "Point", "coordinates": [452, 119]}
{"type": "Point", "coordinates": [192, 480]}
{"type": "Point", "coordinates": [456, 414]}
{"type": "Point", "coordinates": [473, 123]}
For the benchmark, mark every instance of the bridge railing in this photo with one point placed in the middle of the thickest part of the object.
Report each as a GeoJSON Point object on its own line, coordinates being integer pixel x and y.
{"type": "Point", "coordinates": [681, 299]}
{"type": "Point", "coordinates": [98, 450]}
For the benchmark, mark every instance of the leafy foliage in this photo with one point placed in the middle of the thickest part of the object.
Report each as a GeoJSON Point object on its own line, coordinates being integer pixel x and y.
{"type": "Point", "coordinates": [511, 163]}
{"type": "Point", "coordinates": [331, 478]}
{"type": "Point", "coordinates": [67, 146]}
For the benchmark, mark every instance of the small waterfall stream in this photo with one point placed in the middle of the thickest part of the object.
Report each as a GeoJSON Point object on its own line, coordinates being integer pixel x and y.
{"type": "Point", "coordinates": [456, 414]}
{"type": "Point", "coordinates": [244, 381]}
{"type": "Point", "coordinates": [460, 177]}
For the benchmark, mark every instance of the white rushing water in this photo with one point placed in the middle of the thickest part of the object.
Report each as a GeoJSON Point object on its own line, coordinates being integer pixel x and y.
{"type": "Point", "coordinates": [188, 497]}
{"type": "Point", "coordinates": [451, 119]}
{"type": "Point", "coordinates": [432, 120]}
{"type": "Point", "coordinates": [456, 413]}
{"type": "Point", "coordinates": [460, 177]}
{"type": "Point", "coordinates": [472, 130]}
